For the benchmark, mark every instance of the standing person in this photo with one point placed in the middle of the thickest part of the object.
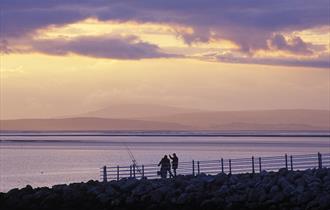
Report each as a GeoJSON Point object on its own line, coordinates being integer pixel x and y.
{"type": "Point", "coordinates": [165, 166]}
{"type": "Point", "coordinates": [175, 163]}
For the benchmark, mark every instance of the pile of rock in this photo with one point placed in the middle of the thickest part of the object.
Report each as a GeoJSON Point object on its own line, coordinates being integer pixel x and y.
{"type": "Point", "coordinates": [291, 190]}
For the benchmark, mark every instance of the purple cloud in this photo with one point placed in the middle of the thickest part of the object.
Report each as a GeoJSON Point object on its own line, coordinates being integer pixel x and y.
{"type": "Point", "coordinates": [227, 16]}
{"type": "Point", "coordinates": [296, 45]}
{"type": "Point", "coordinates": [321, 61]}
{"type": "Point", "coordinates": [249, 23]}
{"type": "Point", "coordinates": [4, 47]}
{"type": "Point", "coordinates": [102, 47]}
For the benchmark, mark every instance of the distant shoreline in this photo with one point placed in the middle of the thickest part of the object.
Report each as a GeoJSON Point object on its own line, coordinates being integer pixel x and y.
{"type": "Point", "coordinates": [242, 133]}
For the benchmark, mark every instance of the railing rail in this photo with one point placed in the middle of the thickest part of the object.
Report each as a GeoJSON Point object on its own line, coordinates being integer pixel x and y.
{"type": "Point", "coordinates": [229, 166]}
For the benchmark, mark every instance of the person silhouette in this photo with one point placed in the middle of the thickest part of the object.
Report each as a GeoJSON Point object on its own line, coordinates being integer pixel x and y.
{"type": "Point", "coordinates": [175, 163]}
{"type": "Point", "coordinates": [165, 166]}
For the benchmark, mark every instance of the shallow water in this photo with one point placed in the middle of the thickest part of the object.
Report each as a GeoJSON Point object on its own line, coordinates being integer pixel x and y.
{"type": "Point", "coordinates": [44, 160]}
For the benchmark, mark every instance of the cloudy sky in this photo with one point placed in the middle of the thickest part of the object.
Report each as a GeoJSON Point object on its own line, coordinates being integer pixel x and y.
{"type": "Point", "coordinates": [61, 57]}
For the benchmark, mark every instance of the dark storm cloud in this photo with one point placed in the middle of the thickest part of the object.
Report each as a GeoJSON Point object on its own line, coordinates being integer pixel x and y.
{"type": "Point", "coordinates": [102, 47]}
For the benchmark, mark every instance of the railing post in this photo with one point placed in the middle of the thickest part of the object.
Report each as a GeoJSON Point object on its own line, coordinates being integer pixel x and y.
{"type": "Point", "coordinates": [260, 164]}
{"type": "Point", "coordinates": [105, 178]}
{"type": "Point", "coordinates": [198, 170]}
{"type": "Point", "coordinates": [253, 165]}
{"type": "Point", "coordinates": [193, 168]}
{"type": "Point", "coordinates": [222, 165]}
{"type": "Point", "coordinates": [291, 162]}
{"type": "Point", "coordinates": [142, 171]}
{"type": "Point", "coordinates": [134, 170]}
{"type": "Point", "coordinates": [130, 171]}
{"type": "Point", "coordinates": [319, 156]}
{"type": "Point", "coordinates": [117, 173]}
{"type": "Point", "coordinates": [229, 166]}
{"type": "Point", "coordinates": [286, 161]}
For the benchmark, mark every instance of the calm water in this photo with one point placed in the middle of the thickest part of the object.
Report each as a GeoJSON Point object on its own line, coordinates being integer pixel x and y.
{"type": "Point", "coordinates": [45, 159]}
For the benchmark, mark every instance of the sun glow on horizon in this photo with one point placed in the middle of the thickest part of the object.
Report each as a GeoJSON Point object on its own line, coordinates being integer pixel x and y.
{"type": "Point", "coordinates": [200, 56]}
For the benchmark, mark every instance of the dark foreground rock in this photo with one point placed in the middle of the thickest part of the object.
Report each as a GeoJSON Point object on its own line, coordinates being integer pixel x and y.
{"type": "Point", "coordinates": [287, 190]}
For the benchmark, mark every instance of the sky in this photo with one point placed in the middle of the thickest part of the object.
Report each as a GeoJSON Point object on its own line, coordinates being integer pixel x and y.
{"type": "Point", "coordinates": [61, 57]}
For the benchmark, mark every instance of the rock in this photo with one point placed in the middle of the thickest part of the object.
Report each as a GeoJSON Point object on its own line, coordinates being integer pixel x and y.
{"type": "Point", "coordinates": [274, 189]}
{"type": "Point", "coordinates": [26, 199]}
{"type": "Point", "coordinates": [235, 198]}
{"type": "Point", "coordinates": [313, 204]}
{"type": "Point", "coordinates": [324, 201]}
{"type": "Point", "coordinates": [103, 198]}
{"type": "Point", "coordinates": [164, 190]}
{"type": "Point", "coordinates": [194, 187]}
{"type": "Point", "coordinates": [233, 179]}
{"type": "Point", "coordinates": [12, 192]}
{"type": "Point", "coordinates": [304, 198]}
{"type": "Point", "coordinates": [129, 185]}
{"type": "Point", "coordinates": [326, 178]}
{"type": "Point", "coordinates": [283, 182]}
{"type": "Point", "coordinates": [93, 190]}
{"type": "Point", "coordinates": [263, 173]}
{"type": "Point", "coordinates": [283, 172]}
{"type": "Point", "coordinates": [321, 173]}
{"type": "Point", "coordinates": [42, 193]}
{"type": "Point", "coordinates": [115, 202]}
{"type": "Point", "coordinates": [300, 189]}
{"type": "Point", "coordinates": [239, 186]}
{"type": "Point", "coordinates": [224, 189]}
{"type": "Point", "coordinates": [285, 190]}
{"type": "Point", "coordinates": [59, 187]}
{"type": "Point", "coordinates": [27, 189]}
{"type": "Point", "coordinates": [220, 179]}
{"type": "Point", "coordinates": [52, 201]}
{"type": "Point", "coordinates": [278, 197]}
{"type": "Point", "coordinates": [208, 205]}
{"type": "Point", "coordinates": [262, 198]}
{"type": "Point", "coordinates": [288, 190]}
{"type": "Point", "coordinates": [205, 178]}
{"type": "Point", "coordinates": [109, 190]}
{"type": "Point", "coordinates": [130, 200]}
{"type": "Point", "coordinates": [156, 197]}
{"type": "Point", "coordinates": [142, 189]}
{"type": "Point", "coordinates": [183, 198]}
{"type": "Point", "coordinates": [300, 181]}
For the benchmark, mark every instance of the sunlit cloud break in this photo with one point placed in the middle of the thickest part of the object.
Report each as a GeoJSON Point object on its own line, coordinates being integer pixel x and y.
{"type": "Point", "coordinates": [274, 28]}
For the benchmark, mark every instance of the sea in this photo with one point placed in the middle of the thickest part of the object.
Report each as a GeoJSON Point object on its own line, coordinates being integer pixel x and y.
{"type": "Point", "coordinates": [49, 158]}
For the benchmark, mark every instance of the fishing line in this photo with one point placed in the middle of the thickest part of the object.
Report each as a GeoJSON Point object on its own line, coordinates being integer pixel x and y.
{"type": "Point", "coordinates": [132, 158]}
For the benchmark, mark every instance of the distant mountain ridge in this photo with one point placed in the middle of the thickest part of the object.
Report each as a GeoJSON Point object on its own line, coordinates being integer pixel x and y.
{"type": "Point", "coordinates": [86, 123]}
{"type": "Point", "coordinates": [246, 119]}
{"type": "Point", "coordinates": [132, 111]}
{"type": "Point", "coordinates": [197, 120]}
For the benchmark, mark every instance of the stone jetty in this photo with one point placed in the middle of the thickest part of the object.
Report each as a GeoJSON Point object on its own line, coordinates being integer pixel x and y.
{"type": "Point", "coordinates": [283, 190]}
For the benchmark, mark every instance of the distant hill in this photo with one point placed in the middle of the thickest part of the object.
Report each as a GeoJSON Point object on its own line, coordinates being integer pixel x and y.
{"type": "Point", "coordinates": [129, 111]}
{"type": "Point", "coordinates": [70, 124]}
{"type": "Point", "coordinates": [253, 120]}
{"type": "Point", "coordinates": [206, 120]}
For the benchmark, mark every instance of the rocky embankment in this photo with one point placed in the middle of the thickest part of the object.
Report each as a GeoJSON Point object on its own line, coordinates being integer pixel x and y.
{"type": "Point", "coordinates": [291, 190]}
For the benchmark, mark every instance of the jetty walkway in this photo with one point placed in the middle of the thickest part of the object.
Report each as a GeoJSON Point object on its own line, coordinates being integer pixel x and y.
{"type": "Point", "coordinates": [227, 166]}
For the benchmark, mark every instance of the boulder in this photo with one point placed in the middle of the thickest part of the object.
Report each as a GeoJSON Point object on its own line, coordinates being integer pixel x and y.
{"type": "Point", "coordinates": [285, 190]}
{"type": "Point", "coordinates": [183, 198]}
{"type": "Point", "coordinates": [224, 189]}
{"type": "Point", "coordinates": [156, 196]}
{"type": "Point", "coordinates": [129, 185]}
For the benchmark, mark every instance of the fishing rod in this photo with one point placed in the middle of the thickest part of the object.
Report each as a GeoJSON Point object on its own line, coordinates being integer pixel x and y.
{"type": "Point", "coordinates": [132, 158]}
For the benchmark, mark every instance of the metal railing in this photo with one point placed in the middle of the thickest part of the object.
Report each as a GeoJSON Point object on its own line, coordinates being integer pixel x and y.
{"type": "Point", "coordinates": [228, 166]}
